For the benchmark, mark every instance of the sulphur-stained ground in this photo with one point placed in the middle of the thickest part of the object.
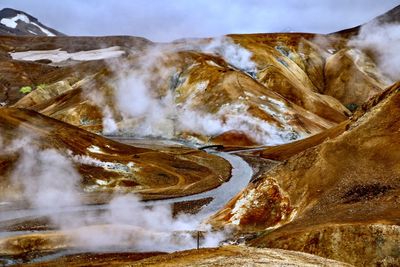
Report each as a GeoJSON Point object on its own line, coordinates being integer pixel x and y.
{"type": "Point", "coordinates": [338, 199]}
{"type": "Point", "coordinates": [223, 256]}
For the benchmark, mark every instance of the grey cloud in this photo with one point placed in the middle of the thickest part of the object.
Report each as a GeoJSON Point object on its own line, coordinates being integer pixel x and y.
{"type": "Point", "coordinates": [161, 20]}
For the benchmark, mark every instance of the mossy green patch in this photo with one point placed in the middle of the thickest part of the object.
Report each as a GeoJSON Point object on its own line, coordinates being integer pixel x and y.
{"type": "Point", "coordinates": [25, 89]}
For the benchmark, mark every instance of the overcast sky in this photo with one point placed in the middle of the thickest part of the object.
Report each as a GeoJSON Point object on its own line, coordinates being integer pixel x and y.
{"type": "Point", "coordinates": [166, 20]}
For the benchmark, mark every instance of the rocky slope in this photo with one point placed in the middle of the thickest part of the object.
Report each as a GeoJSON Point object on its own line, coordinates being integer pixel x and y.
{"type": "Point", "coordinates": [229, 255]}
{"type": "Point", "coordinates": [282, 95]}
{"type": "Point", "coordinates": [331, 199]}
{"type": "Point", "coordinates": [104, 166]}
{"type": "Point", "coordinates": [186, 78]}
{"type": "Point", "coordinates": [222, 256]}
{"type": "Point", "coordinates": [259, 88]}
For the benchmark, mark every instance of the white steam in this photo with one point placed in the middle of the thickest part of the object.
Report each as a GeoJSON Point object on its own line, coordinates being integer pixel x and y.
{"type": "Point", "coordinates": [145, 97]}
{"type": "Point", "coordinates": [384, 41]}
{"type": "Point", "coordinates": [235, 116]}
{"type": "Point", "coordinates": [50, 183]}
{"type": "Point", "coordinates": [109, 124]}
{"type": "Point", "coordinates": [46, 177]}
{"type": "Point", "coordinates": [143, 228]}
{"type": "Point", "coordinates": [234, 54]}
{"type": "Point", "coordinates": [145, 110]}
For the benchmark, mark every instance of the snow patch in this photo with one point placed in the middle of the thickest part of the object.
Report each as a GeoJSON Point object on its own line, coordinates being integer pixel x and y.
{"type": "Point", "coordinates": [12, 22]}
{"type": "Point", "coordinates": [212, 63]}
{"type": "Point", "coordinates": [331, 51]}
{"type": "Point", "coordinates": [48, 33]}
{"type": "Point", "coordinates": [102, 182]}
{"type": "Point", "coordinates": [95, 149]}
{"type": "Point", "coordinates": [248, 94]}
{"type": "Point", "coordinates": [58, 55]}
{"type": "Point", "coordinates": [109, 166]}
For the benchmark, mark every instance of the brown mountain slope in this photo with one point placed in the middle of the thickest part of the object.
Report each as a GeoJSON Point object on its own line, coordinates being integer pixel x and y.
{"type": "Point", "coordinates": [313, 67]}
{"type": "Point", "coordinates": [330, 199]}
{"type": "Point", "coordinates": [292, 66]}
{"type": "Point", "coordinates": [268, 88]}
{"type": "Point", "coordinates": [286, 151]}
{"type": "Point", "coordinates": [106, 166]}
{"type": "Point", "coordinates": [17, 73]}
{"type": "Point", "coordinates": [203, 83]}
{"type": "Point", "coordinates": [283, 87]}
{"type": "Point", "coordinates": [334, 194]}
{"type": "Point", "coordinates": [352, 77]}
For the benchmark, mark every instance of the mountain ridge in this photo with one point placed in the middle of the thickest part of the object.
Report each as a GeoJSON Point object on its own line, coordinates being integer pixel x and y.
{"type": "Point", "coordinates": [19, 23]}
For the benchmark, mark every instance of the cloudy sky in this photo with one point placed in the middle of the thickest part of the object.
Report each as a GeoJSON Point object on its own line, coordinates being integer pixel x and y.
{"type": "Point", "coordinates": [166, 20]}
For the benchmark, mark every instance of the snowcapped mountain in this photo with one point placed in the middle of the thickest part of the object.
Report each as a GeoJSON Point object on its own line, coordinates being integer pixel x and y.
{"type": "Point", "coordinates": [15, 22]}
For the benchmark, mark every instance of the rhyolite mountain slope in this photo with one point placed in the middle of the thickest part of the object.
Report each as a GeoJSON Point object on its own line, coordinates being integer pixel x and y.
{"type": "Point", "coordinates": [201, 85]}
{"type": "Point", "coordinates": [335, 198]}
{"type": "Point", "coordinates": [105, 166]}
{"type": "Point", "coordinates": [264, 88]}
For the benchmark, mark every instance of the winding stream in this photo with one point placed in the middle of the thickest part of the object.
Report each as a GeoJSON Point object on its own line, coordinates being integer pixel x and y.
{"type": "Point", "coordinates": [240, 177]}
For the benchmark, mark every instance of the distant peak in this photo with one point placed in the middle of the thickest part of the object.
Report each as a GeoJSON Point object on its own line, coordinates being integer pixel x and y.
{"type": "Point", "coordinates": [391, 16]}
{"type": "Point", "coordinates": [17, 22]}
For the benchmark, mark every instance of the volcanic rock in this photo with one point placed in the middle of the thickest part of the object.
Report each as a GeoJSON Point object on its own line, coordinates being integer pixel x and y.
{"type": "Point", "coordinates": [329, 199]}
{"type": "Point", "coordinates": [223, 256]}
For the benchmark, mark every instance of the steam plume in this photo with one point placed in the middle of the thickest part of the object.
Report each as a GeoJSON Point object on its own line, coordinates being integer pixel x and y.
{"type": "Point", "coordinates": [49, 181]}
{"type": "Point", "coordinates": [145, 98]}
{"type": "Point", "coordinates": [383, 40]}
